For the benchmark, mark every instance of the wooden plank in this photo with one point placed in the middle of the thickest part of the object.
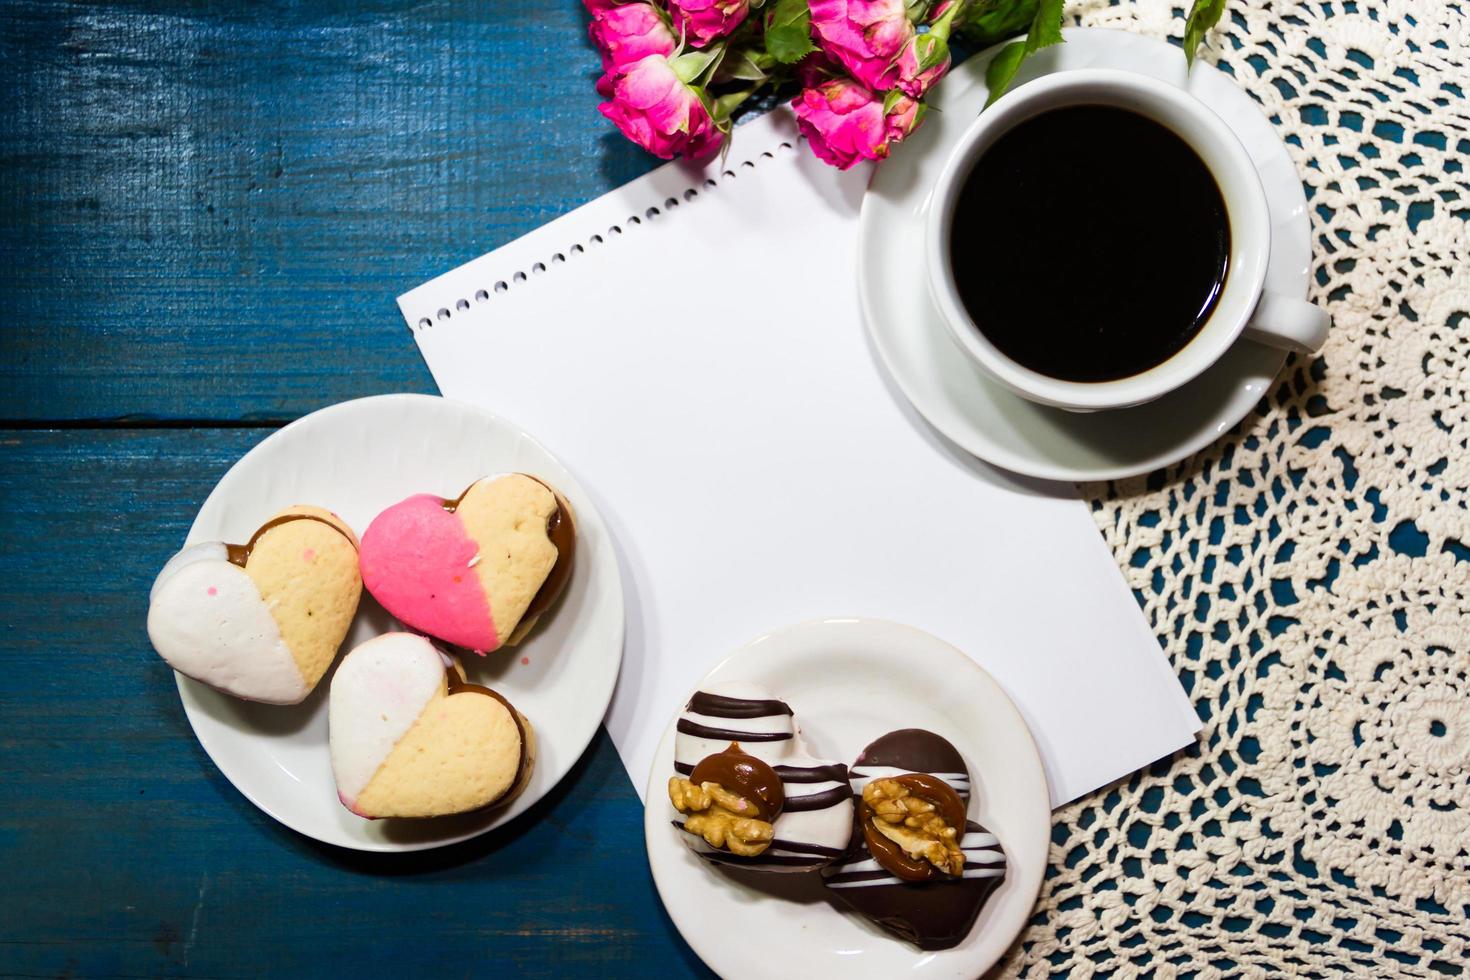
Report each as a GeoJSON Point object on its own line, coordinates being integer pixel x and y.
{"type": "Point", "coordinates": [207, 209]}
{"type": "Point", "coordinates": [126, 852]}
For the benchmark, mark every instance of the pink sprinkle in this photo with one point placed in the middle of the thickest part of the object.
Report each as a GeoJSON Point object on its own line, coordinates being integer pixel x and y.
{"type": "Point", "coordinates": [525, 660]}
{"type": "Point", "coordinates": [213, 590]}
{"type": "Point", "coordinates": [308, 555]}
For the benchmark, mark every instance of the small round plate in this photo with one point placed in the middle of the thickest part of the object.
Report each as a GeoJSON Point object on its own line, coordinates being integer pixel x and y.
{"type": "Point", "coordinates": [357, 458]}
{"type": "Point", "coordinates": [849, 681]}
{"type": "Point", "coordinates": [979, 414]}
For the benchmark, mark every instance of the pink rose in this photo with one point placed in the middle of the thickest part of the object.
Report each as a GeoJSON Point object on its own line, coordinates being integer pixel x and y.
{"type": "Point", "coordinates": [845, 122]}
{"type": "Point", "coordinates": [656, 109]}
{"type": "Point", "coordinates": [627, 33]}
{"type": "Point", "coordinates": [921, 63]}
{"type": "Point", "coordinates": [865, 36]}
{"type": "Point", "coordinates": [702, 21]}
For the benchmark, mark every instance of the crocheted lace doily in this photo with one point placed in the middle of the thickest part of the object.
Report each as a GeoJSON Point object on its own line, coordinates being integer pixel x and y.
{"type": "Point", "coordinates": [1309, 574]}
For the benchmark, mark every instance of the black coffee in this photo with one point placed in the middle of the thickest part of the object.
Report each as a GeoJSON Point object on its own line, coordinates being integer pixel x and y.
{"type": "Point", "coordinates": [1090, 243]}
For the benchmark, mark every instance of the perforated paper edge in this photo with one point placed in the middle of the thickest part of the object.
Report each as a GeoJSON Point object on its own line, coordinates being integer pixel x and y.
{"type": "Point", "coordinates": [638, 207]}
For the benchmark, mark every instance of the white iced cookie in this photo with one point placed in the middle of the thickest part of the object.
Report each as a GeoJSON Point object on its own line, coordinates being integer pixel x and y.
{"type": "Point", "coordinates": [814, 815]}
{"type": "Point", "coordinates": [409, 738]}
{"type": "Point", "coordinates": [261, 621]}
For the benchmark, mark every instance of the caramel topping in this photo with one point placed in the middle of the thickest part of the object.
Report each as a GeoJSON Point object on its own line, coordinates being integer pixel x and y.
{"type": "Point", "coordinates": [746, 776]}
{"type": "Point", "coordinates": [947, 807]}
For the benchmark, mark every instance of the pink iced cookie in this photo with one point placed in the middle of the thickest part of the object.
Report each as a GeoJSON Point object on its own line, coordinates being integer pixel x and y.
{"type": "Point", "coordinates": [477, 571]}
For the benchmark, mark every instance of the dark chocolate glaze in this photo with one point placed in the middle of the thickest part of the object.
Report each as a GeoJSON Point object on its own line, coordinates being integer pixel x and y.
{"type": "Point", "coordinates": [458, 685]}
{"type": "Point", "coordinates": [239, 554]}
{"type": "Point", "coordinates": [720, 706]}
{"type": "Point", "coordinates": [729, 734]}
{"type": "Point", "coordinates": [746, 776]}
{"type": "Point", "coordinates": [947, 804]}
{"type": "Point", "coordinates": [913, 749]}
{"type": "Point", "coordinates": [937, 913]}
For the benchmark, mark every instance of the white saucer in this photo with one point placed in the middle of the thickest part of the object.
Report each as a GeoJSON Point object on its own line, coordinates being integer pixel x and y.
{"type": "Point", "coordinates": [849, 681]}
{"type": "Point", "coordinates": [356, 458]}
{"type": "Point", "coordinates": [977, 413]}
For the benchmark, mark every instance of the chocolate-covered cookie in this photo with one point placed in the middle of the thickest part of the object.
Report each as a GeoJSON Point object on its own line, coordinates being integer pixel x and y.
{"type": "Point", "coordinates": [747, 792]}
{"type": "Point", "coordinates": [917, 867]}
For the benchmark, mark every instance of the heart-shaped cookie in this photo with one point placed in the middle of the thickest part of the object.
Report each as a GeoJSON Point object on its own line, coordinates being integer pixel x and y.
{"type": "Point", "coordinates": [410, 738]}
{"type": "Point", "coordinates": [899, 873]}
{"type": "Point", "coordinates": [477, 571]}
{"type": "Point", "coordinates": [739, 739]}
{"type": "Point", "coordinates": [263, 620]}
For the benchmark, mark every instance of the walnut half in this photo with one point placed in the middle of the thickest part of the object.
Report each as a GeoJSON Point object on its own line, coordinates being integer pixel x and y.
{"type": "Point", "coordinates": [915, 824]}
{"type": "Point", "coordinates": [723, 819]}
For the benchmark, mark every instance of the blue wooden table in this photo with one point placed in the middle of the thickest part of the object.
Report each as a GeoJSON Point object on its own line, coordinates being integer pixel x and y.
{"type": "Point", "coordinates": [206, 210]}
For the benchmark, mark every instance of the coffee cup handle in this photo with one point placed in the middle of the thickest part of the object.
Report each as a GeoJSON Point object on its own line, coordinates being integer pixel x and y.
{"type": "Point", "coordinates": [1291, 324]}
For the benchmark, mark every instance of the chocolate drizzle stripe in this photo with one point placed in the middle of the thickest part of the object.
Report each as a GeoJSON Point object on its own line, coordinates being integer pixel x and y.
{"type": "Point", "coordinates": [813, 774]}
{"type": "Point", "coordinates": [767, 859]}
{"type": "Point", "coordinates": [818, 801]}
{"type": "Point", "coordinates": [800, 847]}
{"type": "Point", "coordinates": [688, 727]}
{"type": "Point", "coordinates": [884, 772]}
{"type": "Point", "coordinates": [721, 706]}
{"type": "Point", "coordinates": [793, 774]}
{"type": "Point", "coordinates": [790, 846]}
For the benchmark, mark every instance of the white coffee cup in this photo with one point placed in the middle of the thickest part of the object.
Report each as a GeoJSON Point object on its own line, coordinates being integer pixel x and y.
{"type": "Point", "coordinates": [1242, 308]}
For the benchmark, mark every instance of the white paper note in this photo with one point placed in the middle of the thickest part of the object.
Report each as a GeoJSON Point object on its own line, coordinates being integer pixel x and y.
{"type": "Point", "coordinates": [705, 372]}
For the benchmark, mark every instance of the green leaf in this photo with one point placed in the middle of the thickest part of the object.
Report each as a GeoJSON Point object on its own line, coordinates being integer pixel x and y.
{"type": "Point", "coordinates": [789, 31]}
{"type": "Point", "coordinates": [1046, 30]}
{"type": "Point", "coordinates": [1046, 26]}
{"type": "Point", "coordinates": [1003, 68]}
{"type": "Point", "coordinates": [1204, 15]}
{"type": "Point", "coordinates": [724, 107]}
{"type": "Point", "coordinates": [691, 65]}
{"type": "Point", "coordinates": [989, 21]}
{"type": "Point", "coordinates": [743, 65]}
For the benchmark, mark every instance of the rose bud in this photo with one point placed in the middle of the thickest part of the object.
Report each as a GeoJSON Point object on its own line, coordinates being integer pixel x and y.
{"type": "Point", "coordinates": [703, 21]}
{"type": "Point", "coordinates": [865, 36]}
{"type": "Point", "coordinates": [627, 33]}
{"type": "Point", "coordinates": [921, 63]}
{"type": "Point", "coordinates": [925, 58]}
{"type": "Point", "coordinates": [659, 110]}
{"type": "Point", "coordinates": [845, 122]}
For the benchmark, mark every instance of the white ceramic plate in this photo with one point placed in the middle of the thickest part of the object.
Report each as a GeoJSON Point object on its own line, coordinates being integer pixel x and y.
{"type": "Point", "coordinates": [849, 681]}
{"type": "Point", "coordinates": [357, 458]}
{"type": "Point", "coordinates": [985, 418]}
